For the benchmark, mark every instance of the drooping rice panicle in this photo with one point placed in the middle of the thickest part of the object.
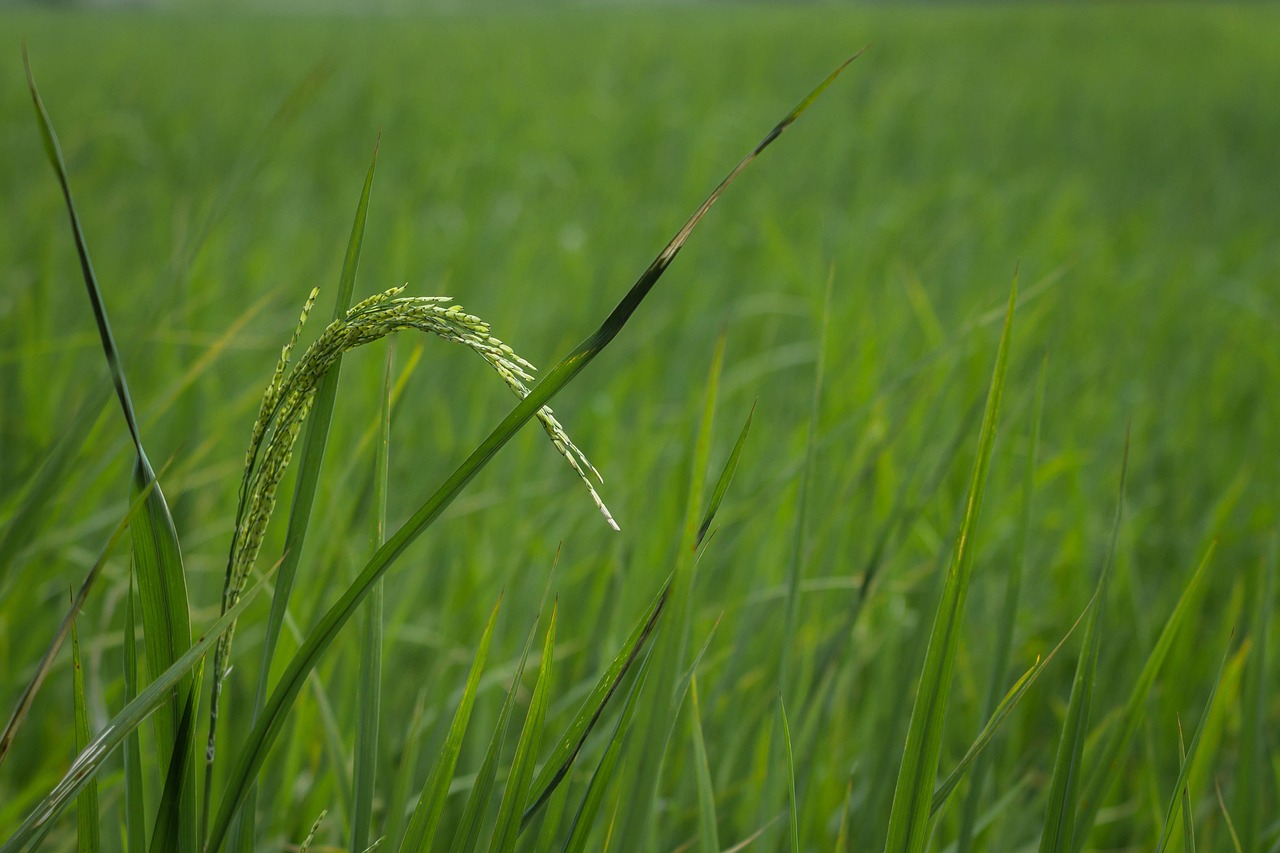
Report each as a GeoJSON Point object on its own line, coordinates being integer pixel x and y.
{"type": "Point", "coordinates": [290, 393]}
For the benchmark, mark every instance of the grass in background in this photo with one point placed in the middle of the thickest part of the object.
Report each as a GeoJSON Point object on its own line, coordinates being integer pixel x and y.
{"type": "Point", "coordinates": [530, 165]}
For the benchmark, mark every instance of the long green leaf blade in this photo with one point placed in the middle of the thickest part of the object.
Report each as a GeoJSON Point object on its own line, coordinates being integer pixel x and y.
{"type": "Point", "coordinates": [561, 759]}
{"type": "Point", "coordinates": [88, 839]}
{"type": "Point", "coordinates": [708, 832]}
{"type": "Point", "coordinates": [913, 794]}
{"type": "Point", "coordinates": [134, 799]}
{"type": "Point", "coordinates": [468, 831]}
{"type": "Point", "coordinates": [315, 437]}
{"type": "Point", "coordinates": [514, 796]}
{"type": "Point", "coordinates": [91, 758]}
{"type": "Point", "coordinates": [426, 814]}
{"type": "Point", "coordinates": [266, 729]}
{"type": "Point", "coordinates": [1064, 786]}
{"type": "Point", "coordinates": [1106, 765]}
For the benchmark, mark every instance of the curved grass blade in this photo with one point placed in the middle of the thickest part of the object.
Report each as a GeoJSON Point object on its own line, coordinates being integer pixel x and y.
{"type": "Point", "coordinates": [88, 839]}
{"type": "Point", "coordinates": [726, 477]}
{"type": "Point", "coordinates": [468, 831]}
{"type": "Point", "coordinates": [1064, 787]}
{"type": "Point", "coordinates": [557, 765]}
{"type": "Point", "coordinates": [516, 793]}
{"type": "Point", "coordinates": [791, 778]}
{"type": "Point", "coordinates": [426, 814]}
{"type": "Point", "coordinates": [909, 819]}
{"type": "Point", "coordinates": [585, 817]}
{"type": "Point", "coordinates": [1008, 615]}
{"type": "Point", "coordinates": [68, 622]}
{"type": "Point", "coordinates": [134, 802]}
{"type": "Point", "coordinates": [166, 836]}
{"type": "Point", "coordinates": [1185, 772]}
{"type": "Point", "coordinates": [998, 715]}
{"type": "Point", "coordinates": [158, 558]}
{"type": "Point", "coordinates": [708, 832]}
{"type": "Point", "coordinates": [91, 758]}
{"type": "Point", "coordinates": [314, 441]}
{"type": "Point", "coordinates": [1188, 824]}
{"type": "Point", "coordinates": [1106, 767]}
{"type": "Point", "coordinates": [370, 700]}
{"type": "Point", "coordinates": [267, 728]}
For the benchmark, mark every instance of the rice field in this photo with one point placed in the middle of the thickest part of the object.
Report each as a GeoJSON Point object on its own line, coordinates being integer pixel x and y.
{"type": "Point", "coordinates": [847, 295]}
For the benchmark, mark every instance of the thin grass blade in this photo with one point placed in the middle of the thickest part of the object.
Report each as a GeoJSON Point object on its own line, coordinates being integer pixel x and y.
{"type": "Point", "coordinates": [726, 477]}
{"type": "Point", "coordinates": [791, 778]}
{"type": "Point", "coordinates": [468, 830]}
{"type": "Point", "coordinates": [90, 760]}
{"type": "Point", "coordinates": [266, 729]}
{"type": "Point", "coordinates": [134, 796]}
{"type": "Point", "coordinates": [1189, 761]}
{"type": "Point", "coordinates": [584, 819]}
{"type": "Point", "coordinates": [516, 793]}
{"type": "Point", "coordinates": [561, 759]}
{"type": "Point", "coordinates": [88, 838]}
{"type": "Point", "coordinates": [1064, 786]}
{"type": "Point", "coordinates": [998, 715]}
{"type": "Point", "coordinates": [1008, 614]}
{"type": "Point", "coordinates": [167, 835]}
{"type": "Point", "coordinates": [46, 663]}
{"type": "Point", "coordinates": [426, 814]}
{"type": "Point", "coordinates": [1106, 766]}
{"type": "Point", "coordinates": [708, 832]}
{"type": "Point", "coordinates": [909, 819]}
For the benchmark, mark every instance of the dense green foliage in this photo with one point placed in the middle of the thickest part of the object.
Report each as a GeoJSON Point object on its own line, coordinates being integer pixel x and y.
{"type": "Point", "coordinates": [1124, 159]}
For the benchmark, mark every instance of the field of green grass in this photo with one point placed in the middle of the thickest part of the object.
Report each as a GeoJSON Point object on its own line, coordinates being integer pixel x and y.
{"type": "Point", "coordinates": [1123, 161]}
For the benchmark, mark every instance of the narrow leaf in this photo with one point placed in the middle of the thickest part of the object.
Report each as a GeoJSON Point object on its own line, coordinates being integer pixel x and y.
{"type": "Point", "coordinates": [913, 794]}
{"type": "Point", "coordinates": [515, 795]}
{"type": "Point", "coordinates": [264, 732]}
{"type": "Point", "coordinates": [1064, 785]}
{"type": "Point", "coordinates": [87, 829]}
{"type": "Point", "coordinates": [791, 778]}
{"type": "Point", "coordinates": [166, 836]}
{"type": "Point", "coordinates": [708, 831]}
{"type": "Point", "coordinates": [726, 477]}
{"type": "Point", "coordinates": [1185, 772]}
{"type": "Point", "coordinates": [561, 759]}
{"type": "Point", "coordinates": [426, 814]}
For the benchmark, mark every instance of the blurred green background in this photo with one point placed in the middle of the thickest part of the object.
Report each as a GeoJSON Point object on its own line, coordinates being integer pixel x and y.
{"type": "Point", "coordinates": [1121, 157]}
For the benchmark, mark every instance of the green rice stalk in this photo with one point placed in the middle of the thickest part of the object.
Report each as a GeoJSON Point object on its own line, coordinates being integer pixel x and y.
{"type": "Point", "coordinates": [91, 759]}
{"type": "Point", "coordinates": [516, 793]}
{"type": "Point", "coordinates": [264, 732]}
{"type": "Point", "coordinates": [314, 442]}
{"type": "Point", "coordinates": [1064, 786]}
{"type": "Point", "coordinates": [584, 818]}
{"type": "Point", "coordinates": [557, 765]}
{"type": "Point", "coordinates": [468, 830]}
{"type": "Point", "coordinates": [311, 833]}
{"type": "Point", "coordinates": [88, 839]}
{"type": "Point", "coordinates": [426, 814]}
{"type": "Point", "coordinates": [909, 821]}
{"type": "Point", "coordinates": [370, 698]}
